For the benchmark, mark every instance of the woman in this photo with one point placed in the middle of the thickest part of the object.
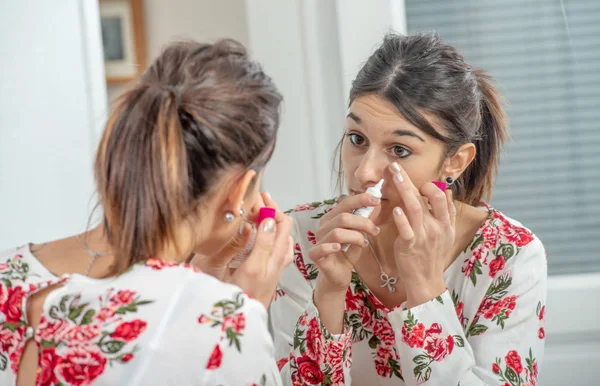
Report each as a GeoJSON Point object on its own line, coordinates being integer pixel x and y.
{"type": "Point", "coordinates": [178, 170]}
{"type": "Point", "coordinates": [435, 289]}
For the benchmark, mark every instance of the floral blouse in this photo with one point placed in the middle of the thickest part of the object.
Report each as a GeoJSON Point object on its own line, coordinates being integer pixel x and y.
{"type": "Point", "coordinates": [157, 324]}
{"type": "Point", "coordinates": [486, 329]}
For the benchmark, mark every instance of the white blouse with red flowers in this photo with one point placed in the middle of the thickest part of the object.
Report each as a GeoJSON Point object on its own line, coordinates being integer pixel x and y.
{"type": "Point", "coordinates": [157, 324]}
{"type": "Point", "coordinates": [486, 329]}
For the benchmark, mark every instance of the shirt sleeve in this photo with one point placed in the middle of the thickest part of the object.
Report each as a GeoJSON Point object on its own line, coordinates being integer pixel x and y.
{"type": "Point", "coordinates": [307, 353]}
{"type": "Point", "coordinates": [504, 343]}
{"type": "Point", "coordinates": [239, 345]}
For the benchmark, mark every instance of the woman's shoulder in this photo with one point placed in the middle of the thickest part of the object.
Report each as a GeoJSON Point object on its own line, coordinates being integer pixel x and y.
{"type": "Point", "coordinates": [306, 217]}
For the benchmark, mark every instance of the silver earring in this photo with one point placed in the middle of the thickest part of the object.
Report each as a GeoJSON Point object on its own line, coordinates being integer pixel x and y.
{"type": "Point", "coordinates": [449, 181]}
{"type": "Point", "coordinates": [229, 217]}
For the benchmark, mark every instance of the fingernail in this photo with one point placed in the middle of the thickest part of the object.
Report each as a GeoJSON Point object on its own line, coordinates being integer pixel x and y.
{"type": "Point", "coordinates": [377, 230]}
{"type": "Point", "coordinates": [268, 195]}
{"type": "Point", "coordinates": [366, 242]}
{"type": "Point", "coordinates": [335, 247]}
{"type": "Point", "coordinates": [375, 200]}
{"type": "Point", "coordinates": [398, 177]}
{"type": "Point", "coordinates": [398, 211]}
{"type": "Point", "coordinates": [395, 167]}
{"type": "Point", "coordinates": [269, 225]}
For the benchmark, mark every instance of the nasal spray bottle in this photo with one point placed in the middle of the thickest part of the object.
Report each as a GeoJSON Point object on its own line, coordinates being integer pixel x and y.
{"type": "Point", "coordinates": [366, 211]}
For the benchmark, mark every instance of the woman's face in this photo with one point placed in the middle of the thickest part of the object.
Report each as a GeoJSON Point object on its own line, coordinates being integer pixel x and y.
{"type": "Point", "coordinates": [377, 135]}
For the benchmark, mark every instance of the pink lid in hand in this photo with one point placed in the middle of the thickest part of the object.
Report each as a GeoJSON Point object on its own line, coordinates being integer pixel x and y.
{"type": "Point", "coordinates": [441, 185]}
{"type": "Point", "coordinates": [264, 213]}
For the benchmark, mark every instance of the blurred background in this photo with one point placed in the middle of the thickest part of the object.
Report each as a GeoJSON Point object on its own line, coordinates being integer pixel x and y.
{"type": "Point", "coordinates": [63, 62]}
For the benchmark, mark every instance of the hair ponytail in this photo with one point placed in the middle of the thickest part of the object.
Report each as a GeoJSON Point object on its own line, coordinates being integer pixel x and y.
{"type": "Point", "coordinates": [141, 172]}
{"type": "Point", "coordinates": [476, 183]}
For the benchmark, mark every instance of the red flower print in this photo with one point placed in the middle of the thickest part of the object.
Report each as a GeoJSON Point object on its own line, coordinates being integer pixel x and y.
{"type": "Point", "coordinates": [497, 265]}
{"type": "Point", "coordinates": [517, 235]}
{"type": "Point", "coordinates": [541, 333]}
{"type": "Point", "coordinates": [309, 370]}
{"type": "Point", "coordinates": [367, 319]}
{"type": "Point", "coordinates": [214, 362]}
{"type": "Point", "coordinates": [513, 360]}
{"type": "Point", "coordinates": [4, 267]}
{"type": "Point", "coordinates": [510, 302]}
{"type": "Point", "coordinates": [415, 337]}
{"type": "Point", "coordinates": [383, 330]}
{"type": "Point", "coordinates": [302, 207]}
{"type": "Point", "coordinates": [12, 307]}
{"type": "Point", "coordinates": [302, 320]}
{"type": "Point", "coordinates": [52, 331]}
{"type": "Point", "coordinates": [338, 375]}
{"type": "Point", "coordinates": [126, 358]}
{"type": "Point", "coordinates": [353, 302]}
{"type": "Point", "coordinates": [129, 331]}
{"type": "Point", "coordinates": [204, 319]}
{"type": "Point", "coordinates": [334, 355]}
{"type": "Point", "coordinates": [314, 341]}
{"type": "Point", "coordinates": [47, 364]}
{"type": "Point", "coordinates": [438, 347]}
{"type": "Point", "coordinates": [384, 353]}
{"type": "Point", "coordinates": [383, 370]}
{"type": "Point", "coordinates": [299, 261]}
{"type": "Point", "coordinates": [159, 264]}
{"type": "Point", "coordinates": [460, 312]}
{"type": "Point", "coordinates": [123, 298]}
{"type": "Point", "coordinates": [79, 334]}
{"type": "Point", "coordinates": [311, 237]}
{"type": "Point", "coordinates": [237, 323]}
{"type": "Point", "coordinates": [8, 339]}
{"type": "Point", "coordinates": [496, 368]}
{"type": "Point", "coordinates": [282, 362]}
{"type": "Point", "coordinates": [15, 359]}
{"type": "Point", "coordinates": [81, 365]}
{"type": "Point", "coordinates": [105, 314]}
{"type": "Point", "coordinates": [490, 237]}
{"type": "Point", "coordinates": [542, 311]}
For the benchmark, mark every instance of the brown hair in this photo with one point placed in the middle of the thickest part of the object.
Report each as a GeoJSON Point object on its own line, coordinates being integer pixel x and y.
{"type": "Point", "coordinates": [421, 73]}
{"type": "Point", "coordinates": [197, 110]}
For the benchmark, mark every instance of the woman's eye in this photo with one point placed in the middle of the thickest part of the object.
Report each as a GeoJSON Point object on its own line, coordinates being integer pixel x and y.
{"type": "Point", "coordinates": [356, 139]}
{"type": "Point", "coordinates": [401, 151]}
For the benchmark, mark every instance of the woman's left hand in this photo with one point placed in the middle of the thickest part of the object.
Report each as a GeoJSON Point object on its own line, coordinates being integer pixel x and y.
{"type": "Point", "coordinates": [425, 237]}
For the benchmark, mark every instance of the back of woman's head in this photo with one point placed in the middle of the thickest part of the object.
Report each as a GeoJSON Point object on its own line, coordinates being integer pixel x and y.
{"type": "Point", "coordinates": [422, 75]}
{"type": "Point", "coordinates": [198, 111]}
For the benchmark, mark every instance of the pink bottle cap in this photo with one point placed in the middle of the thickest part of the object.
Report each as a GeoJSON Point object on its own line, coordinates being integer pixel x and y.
{"type": "Point", "coordinates": [264, 213]}
{"type": "Point", "coordinates": [441, 185]}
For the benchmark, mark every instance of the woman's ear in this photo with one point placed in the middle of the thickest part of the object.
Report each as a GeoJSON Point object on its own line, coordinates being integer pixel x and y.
{"type": "Point", "coordinates": [456, 165]}
{"type": "Point", "coordinates": [239, 190]}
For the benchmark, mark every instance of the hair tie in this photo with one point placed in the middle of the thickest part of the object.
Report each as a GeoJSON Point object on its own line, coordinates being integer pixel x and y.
{"type": "Point", "coordinates": [174, 90]}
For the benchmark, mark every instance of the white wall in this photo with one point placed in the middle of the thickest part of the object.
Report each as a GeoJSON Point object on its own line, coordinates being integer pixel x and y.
{"type": "Point", "coordinates": [201, 20]}
{"type": "Point", "coordinates": [52, 102]}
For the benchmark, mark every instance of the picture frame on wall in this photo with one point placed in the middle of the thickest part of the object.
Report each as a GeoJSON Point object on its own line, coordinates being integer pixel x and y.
{"type": "Point", "coordinates": [123, 39]}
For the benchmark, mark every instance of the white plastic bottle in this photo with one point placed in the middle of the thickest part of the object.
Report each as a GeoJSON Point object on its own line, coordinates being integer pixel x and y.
{"type": "Point", "coordinates": [366, 211]}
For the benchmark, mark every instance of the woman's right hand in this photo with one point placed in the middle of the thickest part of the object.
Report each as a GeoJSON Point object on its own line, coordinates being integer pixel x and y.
{"type": "Point", "coordinates": [336, 229]}
{"type": "Point", "coordinates": [272, 252]}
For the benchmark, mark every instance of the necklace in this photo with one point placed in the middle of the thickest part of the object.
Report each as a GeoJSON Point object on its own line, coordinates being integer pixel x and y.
{"type": "Point", "coordinates": [388, 281]}
{"type": "Point", "coordinates": [93, 254]}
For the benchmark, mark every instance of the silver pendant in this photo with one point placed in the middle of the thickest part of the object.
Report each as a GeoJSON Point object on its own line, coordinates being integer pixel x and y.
{"type": "Point", "coordinates": [388, 282]}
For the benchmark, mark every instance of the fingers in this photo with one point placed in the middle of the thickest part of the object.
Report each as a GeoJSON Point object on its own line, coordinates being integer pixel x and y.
{"type": "Point", "coordinates": [349, 221]}
{"type": "Point", "coordinates": [263, 247]}
{"type": "Point", "coordinates": [344, 236]}
{"type": "Point", "coordinates": [451, 208]}
{"type": "Point", "coordinates": [322, 250]}
{"type": "Point", "coordinates": [405, 231]}
{"type": "Point", "coordinates": [438, 201]}
{"type": "Point", "coordinates": [349, 204]}
{"type": "Point", "coordinates": [414, 208]}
